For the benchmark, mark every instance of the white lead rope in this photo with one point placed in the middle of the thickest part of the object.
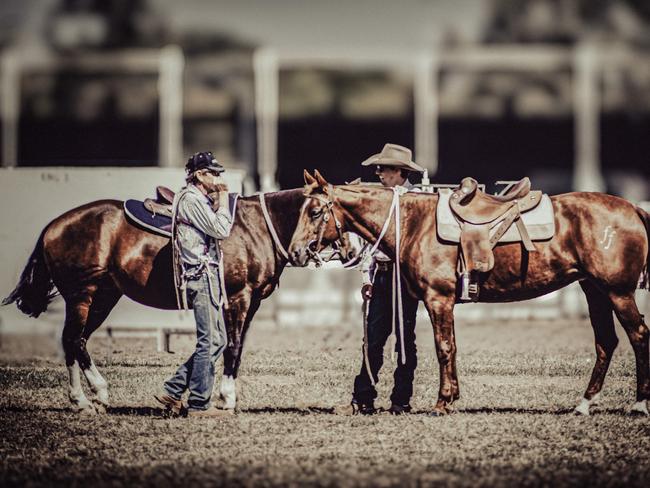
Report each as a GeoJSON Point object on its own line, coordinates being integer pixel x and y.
{"type": "Point", "coordinates": [269, 224]}
{"type": "Point", "coordinates": [394, 203]}
{"type": "Point", "coordinates": [366, 359]}
{"type": "Point", "coordinates": [397, 280]}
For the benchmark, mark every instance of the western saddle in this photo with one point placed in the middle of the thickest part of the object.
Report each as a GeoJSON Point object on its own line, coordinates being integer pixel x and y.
{"type": "Point", "coordinates": [162, 205]}
{"type": "Point", "coordinates": [483, 220]}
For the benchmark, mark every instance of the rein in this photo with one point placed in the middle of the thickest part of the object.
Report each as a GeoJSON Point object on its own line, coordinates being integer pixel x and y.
{"type": "Point", "coordinates": [269, 224]}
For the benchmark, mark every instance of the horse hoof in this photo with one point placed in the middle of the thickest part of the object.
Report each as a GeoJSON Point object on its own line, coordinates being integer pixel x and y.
{"type": "Point", "coordinates": [101, 398]}
{"type": "Point", "coordinates": [437, 413]}
{"type": "Point", "coordinates": [640, 408]}
{"type": "Point", "coordinates": [581, 411]}
{"type": "Point", "coordinates": [100, 407]}
{"type": "Point", "coordinates": [584, 406]}
{"type": "Point", "coordinates": [228, 403]}
{"type": "Point", "coordinates": [87, 411]}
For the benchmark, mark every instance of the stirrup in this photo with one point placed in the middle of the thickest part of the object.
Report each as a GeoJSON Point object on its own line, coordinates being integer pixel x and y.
{"type": "Point", "coordinates": [468, 288]}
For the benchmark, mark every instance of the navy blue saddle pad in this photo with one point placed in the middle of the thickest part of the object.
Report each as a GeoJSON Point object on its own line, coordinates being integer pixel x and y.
{"type": "Point", "coordinates": [157, 223]}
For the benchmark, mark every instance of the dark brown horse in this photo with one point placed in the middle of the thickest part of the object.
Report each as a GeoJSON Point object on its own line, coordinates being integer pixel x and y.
{"type": "Point", "coordinates": [94, 255]}
{"type": "Point", "coordinates": [608, 273]}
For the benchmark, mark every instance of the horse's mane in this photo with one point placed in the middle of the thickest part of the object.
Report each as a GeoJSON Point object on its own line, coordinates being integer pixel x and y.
{"type": "Point", "coordinates": [279, 196]}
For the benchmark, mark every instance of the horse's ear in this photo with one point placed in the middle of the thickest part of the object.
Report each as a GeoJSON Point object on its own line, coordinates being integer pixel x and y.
{"type": "Point", "coordinates": [309, 179]}
{"type": "Point", "coordinates": [354, 182]}
{"type": "Point", "coordinates": [310, 183]}
{"type": "Point", "coordinates": [319, 178]}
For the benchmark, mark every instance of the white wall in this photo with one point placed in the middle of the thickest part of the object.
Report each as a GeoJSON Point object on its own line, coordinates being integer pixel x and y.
{"type": "Point", "coordinates": [31, 197]}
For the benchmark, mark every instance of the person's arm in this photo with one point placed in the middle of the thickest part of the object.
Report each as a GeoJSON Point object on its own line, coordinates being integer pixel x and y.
{"type": "Point", "coordinates": [200, 214]}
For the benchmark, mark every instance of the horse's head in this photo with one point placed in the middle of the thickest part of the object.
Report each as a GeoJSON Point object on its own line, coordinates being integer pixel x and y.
{"type": "Point", "coordinates": [319, 224]}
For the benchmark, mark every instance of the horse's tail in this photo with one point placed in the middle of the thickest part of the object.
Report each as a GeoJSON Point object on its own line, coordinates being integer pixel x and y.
{"type": "Point", "coordinates": [35, 290]}
{"type": "Point", "coordinates": [645, 274]}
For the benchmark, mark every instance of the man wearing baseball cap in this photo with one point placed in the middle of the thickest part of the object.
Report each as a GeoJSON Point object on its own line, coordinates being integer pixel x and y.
{"type": "Point", "coordinates": [201, 219]}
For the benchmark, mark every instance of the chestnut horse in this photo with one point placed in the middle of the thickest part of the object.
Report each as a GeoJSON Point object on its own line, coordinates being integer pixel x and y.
{"type": "Point", "coordinates": [608, 274]}
{"type": "Point", "coordinates": [94, 255]}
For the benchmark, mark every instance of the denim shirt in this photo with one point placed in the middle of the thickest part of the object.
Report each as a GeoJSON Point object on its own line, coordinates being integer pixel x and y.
{"type": "Point", "coordinates": [199, 227]}
{"type": "Point", "coordinates": [368, 266]}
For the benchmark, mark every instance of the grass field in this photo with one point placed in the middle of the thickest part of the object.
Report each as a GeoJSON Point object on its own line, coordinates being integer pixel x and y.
{"type": "Point", "coordinates": [513, 425]}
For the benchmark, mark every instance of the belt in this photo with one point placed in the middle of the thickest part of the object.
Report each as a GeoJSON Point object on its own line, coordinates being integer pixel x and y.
{"type": "Point", "coordinates": [384, 265]}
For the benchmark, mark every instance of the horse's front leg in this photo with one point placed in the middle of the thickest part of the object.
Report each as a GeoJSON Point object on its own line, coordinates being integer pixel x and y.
{"type": "Point", "coordinates": [237, 317]}
{"type": "Point", "coordinates": [227, 388]}
{"type": "Point", "coordinates": [441, 312]}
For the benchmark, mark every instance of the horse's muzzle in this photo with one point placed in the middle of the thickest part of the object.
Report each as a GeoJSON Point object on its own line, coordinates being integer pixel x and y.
{"type": "Point", "coordinates": [299, 257]}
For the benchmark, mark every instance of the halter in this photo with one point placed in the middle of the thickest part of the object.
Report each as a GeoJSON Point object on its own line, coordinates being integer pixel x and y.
{"type": "Point", "coordinates": [337, 246]}
{"type": "Point", "coordinates": [314, 246]}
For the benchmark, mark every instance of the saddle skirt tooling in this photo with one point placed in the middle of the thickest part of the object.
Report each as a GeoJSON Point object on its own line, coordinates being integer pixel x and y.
{"type": "Point", "coordinates": [155, 216]}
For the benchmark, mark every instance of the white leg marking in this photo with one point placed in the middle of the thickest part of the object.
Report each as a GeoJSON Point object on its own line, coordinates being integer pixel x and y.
{"type": "Point", "coordinates": [227, 392]}
{"type": "Point", "coordinates": [97, 383]}
{"type": "Point", "coordinates": [640, 407]}
{"type": "Point", "coordinates": [583, 406]}
{"type": "Point", "coordinates": [75, 392]}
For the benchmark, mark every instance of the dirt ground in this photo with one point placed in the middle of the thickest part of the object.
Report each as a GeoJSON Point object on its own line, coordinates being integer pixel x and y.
{"type": "Point", "coordinates": [513, 425]}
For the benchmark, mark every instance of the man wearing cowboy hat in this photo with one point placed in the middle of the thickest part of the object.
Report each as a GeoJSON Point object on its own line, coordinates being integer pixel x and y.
{"type": "Point", "coordinates": [393, 165]}
{"type": "Point", "coordinates": [201, 219]}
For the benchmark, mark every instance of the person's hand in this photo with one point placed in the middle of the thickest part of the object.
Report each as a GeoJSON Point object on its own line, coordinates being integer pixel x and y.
{"type": "Point", "coordinates": [366, 291]}
{"type": "Point", "coordinates": [219, 195]}
{"type": "Point", "coordinates": [220, 184]}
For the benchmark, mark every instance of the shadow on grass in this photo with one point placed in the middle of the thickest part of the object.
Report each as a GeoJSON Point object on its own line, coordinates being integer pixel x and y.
{"type": "Point", "coordinates": [139, 412]}
{"type": "Point", "coordinates": [301, 411]}
{"type": "Point", "coordinates": [159, 412]}
{"type": "Point", "coordinates": [146, 411]}
{"type": "Point", "coordinates": [526, 411]}
{"type": "Point", "coordinates": [319, 410]}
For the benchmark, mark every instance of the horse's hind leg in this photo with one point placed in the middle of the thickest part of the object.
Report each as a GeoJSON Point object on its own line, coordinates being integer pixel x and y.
{"type": "Point", "coordinates": [602, 321]}
{"type": "Point", "coordinates": [637, 331]}
{"type": "Point", "coordinates": [76, 314]}
{"type": "Point", "coordinates": [102, 304]}
{"type": "Point", "coordinates": [441, 312]}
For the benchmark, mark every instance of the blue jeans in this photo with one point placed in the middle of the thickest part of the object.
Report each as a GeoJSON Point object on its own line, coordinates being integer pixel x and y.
{"type": "Point", "coordinates": [197, 373]}
{"type": "Point", "coordinates": [380, 310]}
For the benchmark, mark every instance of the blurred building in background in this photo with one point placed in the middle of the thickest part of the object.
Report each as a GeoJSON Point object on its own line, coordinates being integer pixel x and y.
{"type": "Point", "coordinates": [555, 89]}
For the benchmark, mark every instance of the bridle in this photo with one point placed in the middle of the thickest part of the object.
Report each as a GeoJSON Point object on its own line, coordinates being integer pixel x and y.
{"type": "Point", "coordinates": [313, 248]}
{"type": "Point", "coordinates": [337, 246]}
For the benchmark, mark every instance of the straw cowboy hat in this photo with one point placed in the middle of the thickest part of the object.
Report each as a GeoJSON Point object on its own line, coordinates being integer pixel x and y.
{"type": "Point", "coordinates": [394, 155]}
